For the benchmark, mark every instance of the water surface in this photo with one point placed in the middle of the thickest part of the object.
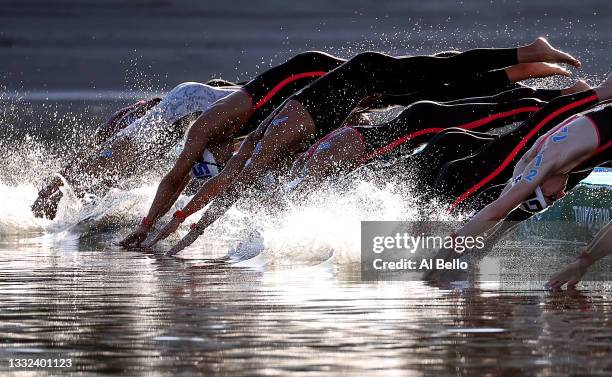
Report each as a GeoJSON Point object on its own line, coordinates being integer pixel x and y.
{"type": "Point", "coordinates": [135, 313]}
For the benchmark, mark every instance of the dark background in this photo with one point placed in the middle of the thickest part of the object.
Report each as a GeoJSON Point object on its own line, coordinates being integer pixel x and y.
{"type": "Point", "coordinates": [154, 44]}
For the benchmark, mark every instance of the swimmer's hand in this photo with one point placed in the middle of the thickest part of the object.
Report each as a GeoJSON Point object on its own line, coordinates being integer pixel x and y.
{"type": "Point", "coordinates": [135, 238]}
{"type": "Point", "coordinates": [46, 204]}
{"type": "Point", "coordinates": [184, 242]}
{"type": "Point", "coordinates": [167, 230]}
{"type": "Point", "coordinates": [570, 275]}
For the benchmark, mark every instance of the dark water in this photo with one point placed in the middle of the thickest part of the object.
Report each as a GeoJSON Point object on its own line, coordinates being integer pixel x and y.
{"type": "Point", "coordinates": [131, 313]}
{"type": "Point", "coordinates": [115, 44]}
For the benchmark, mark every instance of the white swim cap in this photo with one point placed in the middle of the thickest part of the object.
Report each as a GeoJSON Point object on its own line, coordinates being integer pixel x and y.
{"type": "Point", "coordinates": [536, 202]}
{"type": "Point", "coordinates": [205, 168]}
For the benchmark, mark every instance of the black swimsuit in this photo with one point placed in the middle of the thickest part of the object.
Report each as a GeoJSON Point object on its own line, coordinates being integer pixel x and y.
{"type": "Point", "coordinates": [271, 88]}
{"type": "Point", "coordinates": [601, 118]}
{"type": "Point", "coordinates": [462, 180]}
{"type": "Point", "coordinates": [331, 98]}
{"type": "Point", "coordinates": [422, 120]}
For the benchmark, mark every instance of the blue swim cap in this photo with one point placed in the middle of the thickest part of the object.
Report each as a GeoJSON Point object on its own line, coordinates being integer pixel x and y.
{"type": "Point", "coordinates": [106, 153]}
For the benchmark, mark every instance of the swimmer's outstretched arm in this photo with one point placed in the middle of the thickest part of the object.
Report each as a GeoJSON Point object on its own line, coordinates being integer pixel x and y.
{"type": "Point", "coordinates": [211, 188]}
{"type": "Point", "coordinates": [269, 153]}
{"type": "Point", "coordinates": [511, 197]}
{"type": "Point", "coordinates": [490, 216]}
{"type": "Point", "coordinates": [219, 206]}
{"type": "Point", "coordinates": [217, 121]}
{"type": "Point", "coordinates": [77, 172]}
{"type": "Point", "coordinates": [599, 248]}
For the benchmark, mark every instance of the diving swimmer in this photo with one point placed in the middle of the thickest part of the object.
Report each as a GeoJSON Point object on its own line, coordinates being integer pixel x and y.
{"type": "Point", "coordinates": [578, 143]}
{"type": "Point", "coordinates": [313, 111]}
{"type": "Point", "coordinates": [227, 112]}
{"type": "Point", "coordinates": [352, 145]}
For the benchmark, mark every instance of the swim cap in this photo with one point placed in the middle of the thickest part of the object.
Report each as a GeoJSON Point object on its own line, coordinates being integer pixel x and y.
{"type": "Point", "coordinates": [536, 202]}
{"type": "Point", "coordinates": [205, 168]}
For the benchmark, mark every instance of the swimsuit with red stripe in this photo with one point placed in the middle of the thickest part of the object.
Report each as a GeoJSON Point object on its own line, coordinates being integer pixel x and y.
{"type": "Point", "coordinates": [462, 180]}
{"type": "Point", "coordinates": [331, 98]}
{"type": "Point", "coordinates": [422, 120]}
{"type": "Point", "coordinates": [271, 88]}
{"type": "Point", "coordinates": [601, 118]}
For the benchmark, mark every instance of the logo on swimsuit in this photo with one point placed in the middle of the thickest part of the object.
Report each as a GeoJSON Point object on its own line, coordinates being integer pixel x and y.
{"type": "Point", "coordinates": [207, 166]}
{"type": "Point", "coordinates": [204, 170]}
{"type": "Point", "coordinates": [560, 135]}
{"type": "Point", "coordinates": [278, 121]}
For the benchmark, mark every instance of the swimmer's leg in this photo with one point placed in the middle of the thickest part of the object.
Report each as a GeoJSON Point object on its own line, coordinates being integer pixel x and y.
{"type": "Point", "coordinates": [483, 85]}
{"type": "Point", "coordinates": [523, 91]}
{"type": "Point", "coordinates": [280, 139]}
{"type": "Point", "coordinates": [396, 74]}
{"type": "Point", "coordinates": [331, 98]}
{"type": "Point", "coordinates": [477, 116]}
{"type": "Point", "coordinates": [419, 122]}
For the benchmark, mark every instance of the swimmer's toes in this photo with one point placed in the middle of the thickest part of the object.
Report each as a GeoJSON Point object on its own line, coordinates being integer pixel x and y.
{"type": "Point", "coordinates": [552, 55]}
{"type": "Point", "coordinates": [557, 70]}
{"type": "Point", "coordinates": [569, 59]}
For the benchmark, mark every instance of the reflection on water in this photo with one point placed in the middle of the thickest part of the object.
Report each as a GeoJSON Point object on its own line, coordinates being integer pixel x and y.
{"type": "Point", "coordinates": [133, 313]}
{"type": "Point", "coordinates": [69, 293]}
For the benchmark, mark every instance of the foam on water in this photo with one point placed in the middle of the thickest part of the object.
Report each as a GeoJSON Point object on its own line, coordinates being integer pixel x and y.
{"type": "Point", "coordinates": [320, 226]}
{"type": "Point", "coordinates": [323, 225]}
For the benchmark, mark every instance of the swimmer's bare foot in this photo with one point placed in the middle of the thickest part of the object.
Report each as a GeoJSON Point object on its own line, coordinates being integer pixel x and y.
{"type": "Point", "coordinates": [604, 90]}
{"type": "Point", "coordinates": [525, 71]}
{"type": "Point", "coordinates": [542, 51]}
{"type": "Point", "coordinates": [579, 86]}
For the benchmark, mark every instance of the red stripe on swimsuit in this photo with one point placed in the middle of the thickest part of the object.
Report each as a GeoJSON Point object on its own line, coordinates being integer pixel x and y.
{"type": "Point", "coordinates": [468, 126]}
{"type": "Point", "coordinates": [518, 149]}
{"type": "Point", "coordinates": [284, 83]}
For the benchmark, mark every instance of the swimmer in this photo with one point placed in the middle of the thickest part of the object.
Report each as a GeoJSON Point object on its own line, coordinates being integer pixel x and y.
{"type": "Point", "coordinates": [352, 146]}
{"type": "Point", "coordinates": [150, 127]}
{"type": "Point", "coordinates": [252, 104]}
{"type": "Point", "coordinates": [578, 143]}
{"type": "Point", "coordinates": [409, 128]}
{"type": "Point", "coordinates": [321, 107]}
{"type": "Point", "coordinates": [236, 111]}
